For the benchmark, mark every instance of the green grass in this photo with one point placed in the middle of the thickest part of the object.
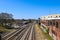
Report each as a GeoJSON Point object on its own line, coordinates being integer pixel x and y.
{"type": "Point", "coordinates": [49, 37]}
{"type": "Point", "coordinates": [46, 34]}
{"type": "Point", "coordinates": [3, 29]}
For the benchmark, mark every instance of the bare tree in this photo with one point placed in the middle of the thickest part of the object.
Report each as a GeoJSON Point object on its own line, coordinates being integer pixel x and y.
{"type": "Point", "coordinates": [5, 17]}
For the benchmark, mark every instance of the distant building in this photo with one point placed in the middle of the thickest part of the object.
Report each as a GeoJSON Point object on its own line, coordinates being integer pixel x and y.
{"type": "Point", "coordinates": [15, 26]}
{"type": "Point", "coordinates": [51, 22]}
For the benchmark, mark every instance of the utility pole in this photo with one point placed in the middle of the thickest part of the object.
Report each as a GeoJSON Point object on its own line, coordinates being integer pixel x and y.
{"type": "Point", "coordinates": [39, 21]}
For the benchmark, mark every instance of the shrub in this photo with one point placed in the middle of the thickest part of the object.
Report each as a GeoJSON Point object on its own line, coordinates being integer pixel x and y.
{"type": "Point", "coordinates": [47, 30]}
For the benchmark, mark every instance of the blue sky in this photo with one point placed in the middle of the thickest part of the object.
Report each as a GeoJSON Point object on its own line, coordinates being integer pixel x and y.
{"type": "Point", "coordinates": [30, 8]}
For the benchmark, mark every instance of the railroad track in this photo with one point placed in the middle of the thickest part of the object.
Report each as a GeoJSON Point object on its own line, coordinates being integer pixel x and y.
{"type": "Point", "coordinates": [25, 36]}
{"type": "Point", "coordinates": [26, 33]}
{"type": "Point", "coordinates": [29, 34]}
{"type": "Point", "coordinates": [18, 37]}
{"type": "Point", "coordinates": [33, 34]}
{"type": "Point", "coordinates": [8, 35]}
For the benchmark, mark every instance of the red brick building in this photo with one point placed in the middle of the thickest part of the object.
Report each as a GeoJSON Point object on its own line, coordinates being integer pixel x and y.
{"type": "Point", "coordinates": [53, 24]}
